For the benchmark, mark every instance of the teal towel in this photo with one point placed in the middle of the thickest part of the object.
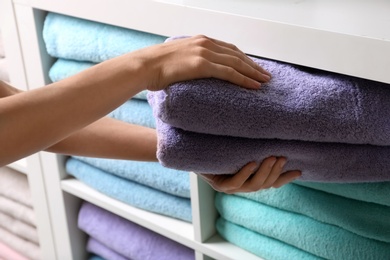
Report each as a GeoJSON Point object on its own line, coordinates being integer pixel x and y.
{"type": "Point", "coordinates": [320, 239]}
{"type": "Point", "coordinates": [135, 111]}
{"type": "Point", "coordinates": [375, 192]}
{"type": "Point", "coordinates": [130, 192]}
{"type": "Point", "coordinates": [78, 39]}
{"type": "Point", "coordinates": [366, 219]}
{"type": "Point", "coordinates": [263, 246]}
{"type": "Point", "coordinates": [64, 68]}
{"type": "Point", "coordinates": [150, 174]}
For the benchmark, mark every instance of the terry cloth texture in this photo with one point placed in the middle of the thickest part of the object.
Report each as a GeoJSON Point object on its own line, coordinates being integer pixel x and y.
{"type": "Point", "coordinates": [78, 39]}
{"type": "Point", "coordinates": [24, 247]}
{"type": "Point", "coordinates": [260, 245]}
{"type": "Point", "coordinates": [127, 238]}
{"type": "Point", "coordinates": [297, 104]}
{"type": "Point", "coordinates": [95, 247]}
{"type": "Point", "coordinates": [150, 174]}
{"type": "Point", "coordinates": [366, 219]}
{"type": "Point", "coordinates": [325, 162]}
{"type": "Point", "coordinates": [299, 231]}
{"type": "Point", "coordinates": [129, 192]}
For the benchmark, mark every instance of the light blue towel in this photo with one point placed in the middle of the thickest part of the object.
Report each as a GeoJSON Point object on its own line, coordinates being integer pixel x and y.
{"type": "Point", "coordinates": [130, 192]}
{"type": "Point", "coordinates": [135, 111]}
{"type": "Point", "coordinates": [263, 246]}
{"type": "Point", "coordinates": [378, 192]}
{"type": "Point", "coordinates": [323, 240]}
{"type": "Point", "coordinates": [78, 39]}
{"type": "Point", "coordinates": [150, 174]}
{"type": "Point", "coordinates": [366, 219]}
{"type": "Point", "coordinates": [64, 68]}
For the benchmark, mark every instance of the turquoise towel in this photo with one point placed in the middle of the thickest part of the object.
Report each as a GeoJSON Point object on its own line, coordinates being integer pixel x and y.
{"type": "Point", "coordinates": [366, 219]}
{"type": "Point", "coordinates": [150, 174]}
{"type": "Point", "coordinates": [263, 246]}
{"type": "Point", "coordinates": [135, 111]}
{"type": "Point", "coordinates": [95, 257]}
{"type": "Point", "coordinates": [376, 192]}
{"type": "Point", "coordinates": [63, 68]}
{"type": "Point", "coordinates": [130, 192]}
{"type": "Point", "coordinates": [77, 39]}
{"type": "Point", "coordinates": [323, 240]}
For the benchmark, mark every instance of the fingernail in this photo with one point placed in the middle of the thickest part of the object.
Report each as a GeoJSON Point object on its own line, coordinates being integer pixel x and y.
{"type": "Point", "coordinates": [272, 163]}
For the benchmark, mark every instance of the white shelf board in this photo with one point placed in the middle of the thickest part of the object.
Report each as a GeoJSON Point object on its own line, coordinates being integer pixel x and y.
{"type": "Point", "coordinates": [20, 166]}
{"type": "Point", "coordinates": [349, 37]}
{"type": "Point", "coordinates": [174, 229]}
{"type": "Point", "coordinates": [354, 17]}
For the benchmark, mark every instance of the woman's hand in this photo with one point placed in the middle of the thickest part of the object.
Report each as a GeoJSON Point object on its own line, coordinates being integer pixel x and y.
{"type": "Point", "coordinates": [199, 57]}
{"type": "Point", "coordinates": [253, 177]}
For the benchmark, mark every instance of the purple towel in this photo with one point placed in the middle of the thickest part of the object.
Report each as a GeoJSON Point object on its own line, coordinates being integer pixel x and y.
{"type": "Point", "coordinates": [297, 104]}
{"type": "Point", "coordinates": [127, 238]}
{"type": "Point", "coordinates": [323, 162]}
{"type": "Point", "coordinates": [95, 247]}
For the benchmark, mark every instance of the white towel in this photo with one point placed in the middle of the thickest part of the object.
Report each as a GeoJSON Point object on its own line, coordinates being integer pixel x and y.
{"type": "Point", "coordinates": [14, 185]}
{"type": "Point", "coordinates": [24, 247]}
{"type": "Point", "coordinates": [19, 228]}
{"type": "Point", "coordinates": [17, 210]}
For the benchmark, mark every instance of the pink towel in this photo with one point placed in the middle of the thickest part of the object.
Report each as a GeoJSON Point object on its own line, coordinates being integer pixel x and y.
{"type": "Point", "coordinates": [8, 253]}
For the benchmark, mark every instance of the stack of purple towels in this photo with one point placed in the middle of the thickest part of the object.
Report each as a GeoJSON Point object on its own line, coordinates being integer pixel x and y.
{"type": "Point", "coordinates": [334, 128]}
{"type": "Point", "coordinates": [115, 238]}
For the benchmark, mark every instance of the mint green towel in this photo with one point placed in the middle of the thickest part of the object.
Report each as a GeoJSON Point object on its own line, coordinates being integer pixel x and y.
{"type": "Point", "coordinates": [64, 68]}
{"type": "Point", "coordinates": [366, 219]}
{"type": "Point", "coordinates": [263, 246]}
{"type": "Point", "coordinates": [375, 192]}
{"type": "Point", "coordinates": [323, 240]}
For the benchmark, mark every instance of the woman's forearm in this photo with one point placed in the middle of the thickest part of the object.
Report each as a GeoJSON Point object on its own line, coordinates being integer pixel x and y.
{"type": "Point", "coordinates": [34, 120]}
{"type": "Point", "coordinates": [110, 138]}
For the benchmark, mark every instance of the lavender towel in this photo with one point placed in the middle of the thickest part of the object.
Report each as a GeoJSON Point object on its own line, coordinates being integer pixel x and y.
{"type": "Point", "coordinates": [130, 192]}
{"type": "Point", "coordinates": [321, 162]}
{"type": "Point", "coordinates": [260, 245]}
{"type": "Point", "coordinates": [150, 174]}
{"type": "Point", "coordinates": [78, 39]}
{"type": "Point", "coordinates": [321, 239]}
{"type": "Point", "coordinates": [369, 220]}
{"type": "Point", "coordinates": [297, 104]}
{"type": "Point", "coordinates": [95, 247]}
{"type": "Point", "coordinates": [64, 68]}
{"type": "Point", "coordinates": [127, 238]}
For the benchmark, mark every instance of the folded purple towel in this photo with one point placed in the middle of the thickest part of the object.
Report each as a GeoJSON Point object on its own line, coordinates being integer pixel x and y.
{"type": "Point", "coordinates": [95, 247]}
{"type": "Point", "coordinates": [127, 238]}
{"type": "Point", "coordinates": [297, 104]}
{"type": "Point", "coordinates": [323, 162]}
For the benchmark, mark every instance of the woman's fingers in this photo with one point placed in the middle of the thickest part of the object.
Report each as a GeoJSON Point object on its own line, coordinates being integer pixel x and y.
{"type": "Point", "coordinates": [285, 178]}
{"type": "Point", "coordinates": [253, 178]}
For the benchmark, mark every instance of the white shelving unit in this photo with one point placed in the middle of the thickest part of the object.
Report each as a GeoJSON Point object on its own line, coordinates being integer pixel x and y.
{"type": "Point", "coordinates": [351, 37]}
{"type": "Point", "coordinates": [31, 166]}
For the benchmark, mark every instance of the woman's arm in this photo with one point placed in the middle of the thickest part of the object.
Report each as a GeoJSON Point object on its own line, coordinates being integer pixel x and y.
{"type": "Point", "coordinates": [111, 138]}
{"type": "Point", "coordinates": [35, 120]}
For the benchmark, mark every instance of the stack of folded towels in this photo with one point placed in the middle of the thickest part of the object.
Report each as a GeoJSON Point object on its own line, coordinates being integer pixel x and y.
{"type": "Point", "coordinates": [3, 62]}
{"type": "Point", "coordinates": [333, 128]}
{"type": "Point", "coordinates": [18, 231]}
{"type": "Point", "coordinates": [113, 237]}
{"type": "Point", "coordinates": [79, 44]}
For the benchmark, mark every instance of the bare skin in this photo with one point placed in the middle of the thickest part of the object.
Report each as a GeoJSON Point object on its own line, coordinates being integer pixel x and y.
{"type": "Point", "coordinates": [68, 116]}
